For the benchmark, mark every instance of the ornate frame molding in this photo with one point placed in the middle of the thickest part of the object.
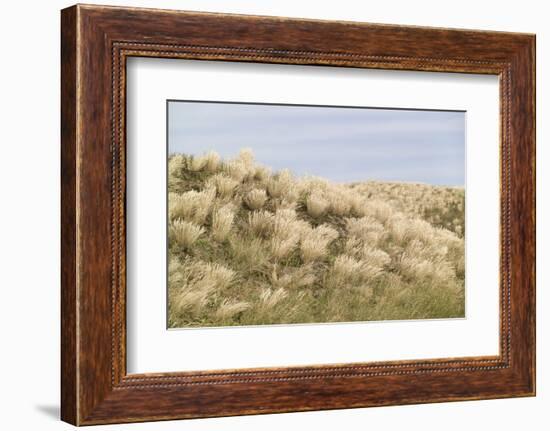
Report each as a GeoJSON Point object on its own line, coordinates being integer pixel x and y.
{"type": "Point", "coordinates": [96, 41]}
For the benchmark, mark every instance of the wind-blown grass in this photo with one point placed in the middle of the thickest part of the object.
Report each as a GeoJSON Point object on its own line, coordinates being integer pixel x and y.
{"type": "Point", "coordinates": [251, 247]}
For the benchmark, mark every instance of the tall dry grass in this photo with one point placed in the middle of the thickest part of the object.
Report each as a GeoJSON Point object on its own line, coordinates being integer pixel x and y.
{"type": "Point", "coordinates": [248, 246]}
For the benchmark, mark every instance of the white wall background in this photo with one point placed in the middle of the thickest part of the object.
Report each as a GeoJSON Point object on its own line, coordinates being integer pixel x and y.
{"type": "Point", "coordinates": [29, 215]}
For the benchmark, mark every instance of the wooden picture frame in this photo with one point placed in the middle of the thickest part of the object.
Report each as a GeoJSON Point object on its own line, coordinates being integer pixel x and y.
{"type": "Point", "coordinates": [95, 43]}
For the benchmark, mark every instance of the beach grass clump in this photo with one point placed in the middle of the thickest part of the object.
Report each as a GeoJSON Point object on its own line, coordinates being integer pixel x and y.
{"type": "Point", "coordinates": [251, 246]}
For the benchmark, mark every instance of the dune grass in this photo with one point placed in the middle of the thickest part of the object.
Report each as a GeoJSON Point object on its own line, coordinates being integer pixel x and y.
{"type": "Point", "coordinates": [248, 246]}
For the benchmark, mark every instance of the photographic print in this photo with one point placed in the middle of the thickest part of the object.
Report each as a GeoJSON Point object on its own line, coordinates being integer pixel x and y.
{"type": "Point", "coordinates": [287, 214]}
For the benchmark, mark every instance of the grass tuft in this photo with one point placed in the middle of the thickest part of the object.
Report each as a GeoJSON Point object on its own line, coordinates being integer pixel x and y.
{"type": "Point", "coordinates": [248, 246]}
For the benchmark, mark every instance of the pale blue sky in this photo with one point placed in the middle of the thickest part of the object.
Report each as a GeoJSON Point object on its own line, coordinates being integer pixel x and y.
{"type": "Point", "coordinates": [341, 144]}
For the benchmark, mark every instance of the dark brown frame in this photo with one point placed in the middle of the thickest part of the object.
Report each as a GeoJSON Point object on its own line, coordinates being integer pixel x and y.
{"type": "Point", "coordinates": [95, 43]}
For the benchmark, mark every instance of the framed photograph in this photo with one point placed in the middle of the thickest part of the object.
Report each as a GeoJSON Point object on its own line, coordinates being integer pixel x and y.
{"type": "Point", "coordinates": [264, 214]}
